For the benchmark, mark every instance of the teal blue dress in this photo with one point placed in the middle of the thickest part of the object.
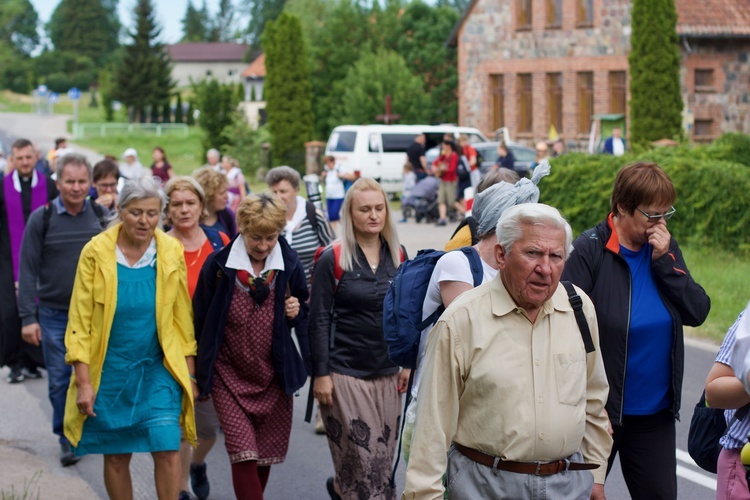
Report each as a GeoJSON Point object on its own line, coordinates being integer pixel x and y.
{"type": "Point", "coordinates": [138, 404]}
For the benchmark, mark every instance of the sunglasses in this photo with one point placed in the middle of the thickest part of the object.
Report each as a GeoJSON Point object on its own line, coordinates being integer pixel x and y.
{"type": "Point", "coordinates": [655, 218]}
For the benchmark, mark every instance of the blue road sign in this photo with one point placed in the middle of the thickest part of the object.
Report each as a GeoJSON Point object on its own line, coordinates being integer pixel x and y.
{"type": "Point", "coordinates": [42, 90]}
{"type": "Point", "coordinates": [74, 94]}
{"type": "Point", "coordinates": [53, 98]}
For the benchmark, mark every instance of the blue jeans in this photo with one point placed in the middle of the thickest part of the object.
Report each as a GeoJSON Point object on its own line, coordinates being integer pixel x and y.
{"type": "Point", "coordinates": [53, 323]}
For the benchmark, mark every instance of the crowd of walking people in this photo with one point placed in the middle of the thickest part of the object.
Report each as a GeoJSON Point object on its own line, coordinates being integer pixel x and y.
{"type": "Point", "coordinates": [167, 308]}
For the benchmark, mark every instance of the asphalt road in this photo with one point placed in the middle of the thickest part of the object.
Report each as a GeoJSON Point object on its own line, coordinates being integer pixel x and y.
{"type": "Point", "coordinates": [308, 462]}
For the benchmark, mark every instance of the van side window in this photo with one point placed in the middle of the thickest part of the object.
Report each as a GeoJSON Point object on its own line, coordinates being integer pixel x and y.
{"type": "Point", "coordinates": [397, 143]}
{"type": "Point", "coordinates": [342, 142]}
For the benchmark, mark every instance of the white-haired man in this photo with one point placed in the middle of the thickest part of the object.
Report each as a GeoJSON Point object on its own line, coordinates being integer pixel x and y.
{"type": "Point", "coordinates": [509, 390]}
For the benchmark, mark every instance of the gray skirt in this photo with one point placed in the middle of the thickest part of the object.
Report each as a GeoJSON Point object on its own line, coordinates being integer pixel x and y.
{"type": "Point", "coordinates": [362, 427]}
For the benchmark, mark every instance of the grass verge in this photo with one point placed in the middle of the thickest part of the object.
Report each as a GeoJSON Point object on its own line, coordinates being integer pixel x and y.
{"type": "Point", "coordinates": [724, 277]}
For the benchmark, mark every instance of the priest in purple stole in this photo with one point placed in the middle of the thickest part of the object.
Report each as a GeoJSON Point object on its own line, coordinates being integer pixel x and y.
{"type": "Point", "coordinates": [21, 191]}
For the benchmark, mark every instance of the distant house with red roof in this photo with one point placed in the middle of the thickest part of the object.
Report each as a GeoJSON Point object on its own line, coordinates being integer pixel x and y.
{"type": "Point", "coordinates": [206, 60]}
{"type": "Point", "coordinates": [254, 76]}
{"type": "Point", "coordinates": [529, 64]}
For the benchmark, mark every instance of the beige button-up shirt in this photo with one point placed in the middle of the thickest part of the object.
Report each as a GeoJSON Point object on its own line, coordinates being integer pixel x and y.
{"type": "Point", "coordinates": [495, 382]}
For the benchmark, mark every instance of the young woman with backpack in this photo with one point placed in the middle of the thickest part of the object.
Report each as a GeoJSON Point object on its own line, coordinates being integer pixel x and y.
{"type": "Point", "coordinates": [355, 382]}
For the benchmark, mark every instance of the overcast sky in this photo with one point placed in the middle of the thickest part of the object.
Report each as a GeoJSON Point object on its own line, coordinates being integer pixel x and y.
{"type": "Point", "coordinates": [169, 14]}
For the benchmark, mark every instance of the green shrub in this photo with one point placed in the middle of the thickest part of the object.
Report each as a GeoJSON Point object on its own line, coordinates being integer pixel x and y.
{"type": "Point", "coordinates": [733, 147]}
{"type": "Point", "coordinates": [713, 208]}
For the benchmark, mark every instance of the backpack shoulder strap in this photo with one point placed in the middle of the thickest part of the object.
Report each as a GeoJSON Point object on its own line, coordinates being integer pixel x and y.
{"type": "Point", "coordinates": [583, 325]}
{"type": "Point", "coordinates": [214, 236]}
{"type": "Point", "coordinates": [475, 261]}
{"type": "Point", "coordinates": [45, 220]}
{"type": "Point", "coordinates": [338, 271]}
{"type": "Point", "coordinates": [311, 215]}
{"type": "Point", "coordinates": [100, 213]}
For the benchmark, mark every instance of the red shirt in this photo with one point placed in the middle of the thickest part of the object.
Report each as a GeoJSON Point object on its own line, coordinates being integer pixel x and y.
{"type": "Point", "coordinates": [450, 174]}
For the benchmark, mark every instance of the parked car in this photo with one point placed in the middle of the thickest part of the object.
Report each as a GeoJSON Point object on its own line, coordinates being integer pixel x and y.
{"type": "Point", "coordinates": [487, 151]}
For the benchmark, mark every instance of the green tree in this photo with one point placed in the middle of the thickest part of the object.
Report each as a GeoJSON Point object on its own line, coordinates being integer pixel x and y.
{"type": "Point", "coordinates": [371, 79]}
{"type": "Point", "coordinates": [106, 90]}
{"type": "Point", "coordinates": [83, 27]}
{"type": "Point", "coordinates": [422, 45]}
{"type": "Point", "coordinates": [179, 116]}
{"type": "Point", "coordinates": [62, 70]}
{"type": "Point", "coordinates": [655, 101]}
{"type": "Point", "coordinates": [145, 73]}
{"type": "Point", "coordinates": [260, 13]}
{"type": "Point", "coordinates": [287, 90]}
{"type": "Point", "coordinates": [14, 70]}
{"type": "Point", "coordinates": [194, 24]}
{"type": "Point", "coordinates": [245, 143]}
{"type": "Point", "coordinates": [217, 103]}
{"type": "Point", "coordinates": [190, 115]}
{"type": "Point", "coordinates": [223, 23]}
{"type": "Point", "coordinates": [166, 112]}
{"type": "Point", "coordinates": [240, 93]}
{"type": "Point", "coordinates": [18, 23]}
{"type": "Point", "coordinates": [335, 45]}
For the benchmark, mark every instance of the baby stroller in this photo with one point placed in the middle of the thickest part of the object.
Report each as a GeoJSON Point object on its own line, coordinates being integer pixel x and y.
{"type": "Point", "coordinates": [422, 201]}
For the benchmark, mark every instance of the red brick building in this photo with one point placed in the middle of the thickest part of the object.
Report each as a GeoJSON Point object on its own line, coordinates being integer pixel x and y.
{"type": "Point", "coordinates": [529, 64]}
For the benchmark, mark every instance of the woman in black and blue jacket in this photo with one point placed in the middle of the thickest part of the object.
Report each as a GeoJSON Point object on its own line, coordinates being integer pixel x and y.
{"type": "Point", "coordinates": [634, 272]}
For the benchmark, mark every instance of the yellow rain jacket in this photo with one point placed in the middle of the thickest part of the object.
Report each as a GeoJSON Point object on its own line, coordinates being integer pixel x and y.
{"type": "Point", "coordinates": [92, 310]}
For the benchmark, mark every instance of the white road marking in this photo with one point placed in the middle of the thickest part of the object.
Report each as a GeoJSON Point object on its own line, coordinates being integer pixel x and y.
{"type": "Point", "coordinates": [701, 478]}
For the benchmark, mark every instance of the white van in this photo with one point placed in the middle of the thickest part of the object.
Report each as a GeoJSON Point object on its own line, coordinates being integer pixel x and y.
{"type": "Point", "coordinates": [379, 151]}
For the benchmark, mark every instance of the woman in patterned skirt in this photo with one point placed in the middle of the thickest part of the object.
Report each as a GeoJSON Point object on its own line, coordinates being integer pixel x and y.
{"type": "Point", "coordinates": [357, 385]}
{"type": "Point", "coordinates": [130, 339]}
{"type": "Point", "coordinates": [249, 296]}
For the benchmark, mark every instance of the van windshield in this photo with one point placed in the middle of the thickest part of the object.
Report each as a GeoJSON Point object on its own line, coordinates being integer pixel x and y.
{"type": "Point", "coordinates": [342, 142]}
{"type": "Point", "coordinates": [397, 143]}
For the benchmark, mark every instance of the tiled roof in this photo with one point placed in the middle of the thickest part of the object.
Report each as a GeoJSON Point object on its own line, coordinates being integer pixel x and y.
{"type": "Point", "coordinates": [713, 17]}
{"type": "Point", "coordinates": [257, 68]}
{"type": "Point", "coordinates": [694, 17]}
{"type": "Point", "coordinates": [206, 52]}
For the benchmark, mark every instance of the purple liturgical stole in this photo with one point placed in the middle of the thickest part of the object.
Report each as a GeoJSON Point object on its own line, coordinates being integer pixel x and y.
{"type": "Point", "coordinates": [14, 211]}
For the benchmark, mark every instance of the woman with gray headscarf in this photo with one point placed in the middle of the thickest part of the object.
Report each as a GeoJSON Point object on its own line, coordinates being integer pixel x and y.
{"type": "Point", "coordinates": [453, 274]}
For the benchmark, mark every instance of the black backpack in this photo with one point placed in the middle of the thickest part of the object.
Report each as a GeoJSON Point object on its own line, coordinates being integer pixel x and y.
{"type": "Point", "coordinates": [707, 426]}
{"type": "Point", "coordinates": [100, 213]}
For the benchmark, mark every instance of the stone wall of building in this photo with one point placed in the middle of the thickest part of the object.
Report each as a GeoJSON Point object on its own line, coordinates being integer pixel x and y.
{"type": "Point", "coordinates": [726, 102]}
{"type": "Point", "coordinates": [491, 43]}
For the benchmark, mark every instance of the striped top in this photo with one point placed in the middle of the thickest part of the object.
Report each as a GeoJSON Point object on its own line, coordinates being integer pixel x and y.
{"type": "Point", "coordinates": [305, 241]}
{"type": "Point", "coordinates": [736, 436]}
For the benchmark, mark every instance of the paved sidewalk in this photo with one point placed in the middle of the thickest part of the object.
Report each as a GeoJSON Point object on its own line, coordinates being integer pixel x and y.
{"type": "Point", "coordinates": [29, 453]}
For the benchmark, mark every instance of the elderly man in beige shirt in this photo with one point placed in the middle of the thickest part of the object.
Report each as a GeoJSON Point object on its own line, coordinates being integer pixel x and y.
{"type": "Point", "coordinates": [509, 391]}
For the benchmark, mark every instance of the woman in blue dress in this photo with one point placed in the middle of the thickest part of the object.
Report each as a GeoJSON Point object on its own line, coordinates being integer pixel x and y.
{"type": "Point", "coordinates": [130, 339]}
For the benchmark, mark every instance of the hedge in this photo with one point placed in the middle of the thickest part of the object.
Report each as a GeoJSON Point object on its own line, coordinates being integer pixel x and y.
{"type": "Point", "coordinates": [713, 196]}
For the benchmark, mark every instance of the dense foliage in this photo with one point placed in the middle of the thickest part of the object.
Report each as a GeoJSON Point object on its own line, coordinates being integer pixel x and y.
{"type": "Point", "coordinates": [287, 91]}
{"type": "Point", "coordinates": [144, 77]}
{"type": "Point", "coordinates": [713, 208]}
{"type": "Point", "coordinates": [655, 100]}
{"type": "Point", "coordinates": [217, 104]}
{"type": "Point", "coordinates": [85, 28]}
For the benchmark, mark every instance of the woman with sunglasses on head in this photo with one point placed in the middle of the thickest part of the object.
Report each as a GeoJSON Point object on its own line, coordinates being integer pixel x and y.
{"type": "Point", "coordinates": [633, 270]}
{"type": "Point", "coordinates": [249, 296]}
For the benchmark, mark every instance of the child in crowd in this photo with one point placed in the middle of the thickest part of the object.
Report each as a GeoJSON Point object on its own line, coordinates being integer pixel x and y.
{"type": "Point", "coordinates": [409, 179]}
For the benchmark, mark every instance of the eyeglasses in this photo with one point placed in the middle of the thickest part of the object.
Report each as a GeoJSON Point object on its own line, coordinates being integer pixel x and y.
{"type": "Point", "coordinates": [655, 218]}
